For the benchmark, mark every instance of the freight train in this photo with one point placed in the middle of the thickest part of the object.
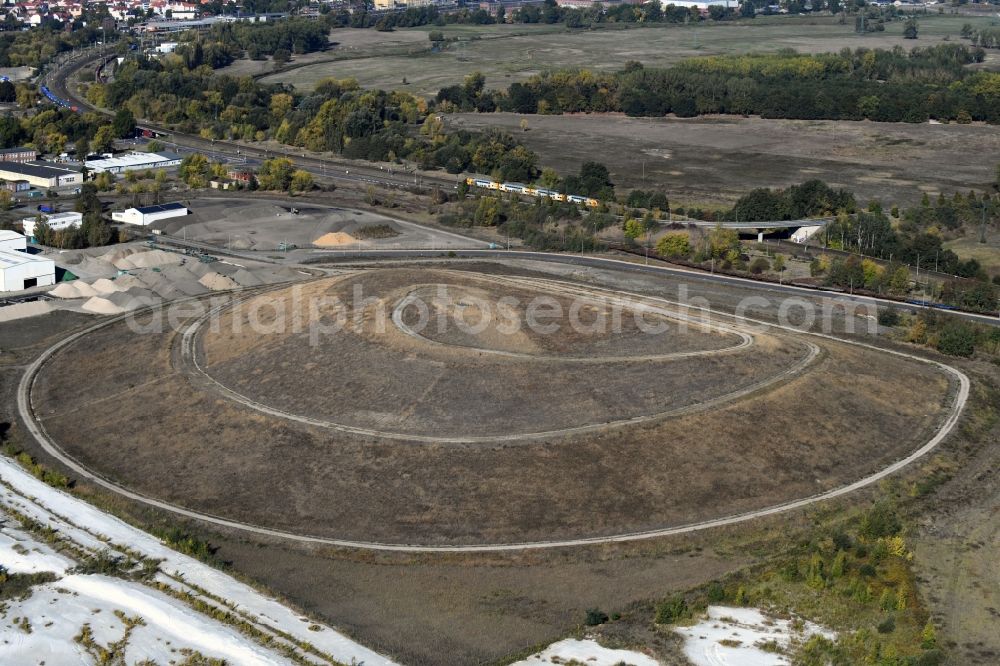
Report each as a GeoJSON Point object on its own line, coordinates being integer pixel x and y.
{"type": "Point", "coordinates": [531, 191]}
{"type": "Point", "coordinates": [58, 101]}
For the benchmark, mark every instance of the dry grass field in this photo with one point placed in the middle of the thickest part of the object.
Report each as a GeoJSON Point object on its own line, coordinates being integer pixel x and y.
{"type": "Point", "coordinates": [717, 159]}
{"type": "Point", "coordinates": [508, 53]}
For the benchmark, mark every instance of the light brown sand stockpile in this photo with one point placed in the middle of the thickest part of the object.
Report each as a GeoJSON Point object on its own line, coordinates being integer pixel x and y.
{"type": "Point", "coordinates": [150, 259]}
{"type": "Point", "coordinates": [92, 266]}
{"type": "Point", "coordinates": [217, 282]}
{"type": "Point", "coordinates": [335, 239]}
{"type": "Point", "coordinates": [65, 290]}
{"type": "Point", "coordinates": [105, 286]}
{"type": "Point", "coordinates": [76, 289]}
{"type": "Point", "coordinates": [99, 305]}
{"type": "Point", "coordinates": [21, 310]}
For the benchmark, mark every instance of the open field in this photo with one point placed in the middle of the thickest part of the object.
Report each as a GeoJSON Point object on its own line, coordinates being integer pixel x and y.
{"type": "Point", "coordinates": [717, 159]}
{"type": "Point", "coordinates": [509, 53]}
{"type": "Point", "coordinates": [987, 254]}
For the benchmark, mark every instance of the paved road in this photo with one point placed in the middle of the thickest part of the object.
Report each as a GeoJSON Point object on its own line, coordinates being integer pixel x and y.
{"type": "Point", "coordinates": [36, 429]}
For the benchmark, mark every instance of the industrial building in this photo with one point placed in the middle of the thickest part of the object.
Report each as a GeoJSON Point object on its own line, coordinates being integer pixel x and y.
{"type": "Point", "coordinates": [20, 270]}
{"type": "Point", "coordinates": [133, 162]}
{"type": "Point", "coordinates": [20, 154]}
{"type": "Point", "coordinates": [40, 174]}
{"type": "Point", "coordinates": [147, 215]}
{"type": "Point", "coordinates": [56, 222]}
{"type": "Point", "coordinates": [11, 240]}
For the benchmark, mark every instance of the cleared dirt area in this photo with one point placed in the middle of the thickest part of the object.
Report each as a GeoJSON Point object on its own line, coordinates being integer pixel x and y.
{"type": "Point", "coordinates": [717, 159]}
{"type": "Point", "coordinates": [153, 428]}
{"type": "Point", "coordinates": [263, 224]}
{"type": "Point", "coordinates": [509, 53]}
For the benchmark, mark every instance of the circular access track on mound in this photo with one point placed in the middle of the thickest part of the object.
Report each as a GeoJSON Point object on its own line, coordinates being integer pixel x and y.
{"type": "Point", "coordinates": [215, 455]}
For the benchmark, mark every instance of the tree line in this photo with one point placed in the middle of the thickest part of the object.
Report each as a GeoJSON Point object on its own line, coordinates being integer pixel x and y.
{"type": "Point", "coordinates": [337, 116]}
{"type": "Point", "coordinates": [876, 84]}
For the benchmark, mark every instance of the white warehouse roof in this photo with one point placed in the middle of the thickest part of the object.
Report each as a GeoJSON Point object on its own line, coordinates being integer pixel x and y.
{"type": "Point", "coordinates": [132, 161]}
{"type": "Point", "coordinates": [13, 259]}
{"type": "Point", "coordinates": [20, 270]}
{"type": "Point", "coordinates": [11, 240]}
{"type": "Point", "coordinates": [56, 221]}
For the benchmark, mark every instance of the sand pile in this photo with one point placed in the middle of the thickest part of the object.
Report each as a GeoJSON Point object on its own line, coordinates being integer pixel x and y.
{"type": "Point", "coordinates": [246, 279]}
{"type": "Point", "coordinates": [126, 282]}
{"type": "Point", "coordinates": [335, 239]}
{"type": "Point", "coordinates": [134, 299]}
{"type": "Point", "coordinates": [21, 310]}
{"type": "Point", "coordinates": [65, 290]}
{"type": "Point", "coordinates": [105, 286]}
{"type": "Point", "coordinates": [179, 278]}
{"type": "Point", "coordinates": [217, 282]}
{"type": "Point", "coordinates": [91, 266]}
{"type": "Point", "coordinates": [150, 259]}
{"type": "Point", "coordinates": [100, 305]}
{"type": "Point", "coordinates": [75, 289]}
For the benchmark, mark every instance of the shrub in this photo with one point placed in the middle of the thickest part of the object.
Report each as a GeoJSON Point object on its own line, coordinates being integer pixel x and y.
{"type": "Point", "coordinates": [671, 610]}
{"type": "Point", "coordinates": [888, 625]}
{"type": "Point", "coordinates": [674, 245]}
{"type": "Point", "coordinates": [888, 316]}
{"type": "Point", "coordinates": [879, 521]}
{"type": "Point", "coordinates": [957, 339]}
{"type": "Point", "coordinates": [759, 265]}
{"type": "Point", "coordinates": [930, 658]}
{"type": "Point", "coordinates": [595, 617]}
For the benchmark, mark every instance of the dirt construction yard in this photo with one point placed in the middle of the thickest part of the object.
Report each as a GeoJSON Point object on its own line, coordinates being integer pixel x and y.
{"type": "Point", "coordinates": [262, 224]}
{"type": "Point", "coordinates": [387, 431]}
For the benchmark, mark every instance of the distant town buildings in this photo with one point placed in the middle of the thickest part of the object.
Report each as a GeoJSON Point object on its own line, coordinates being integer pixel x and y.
{"type": "Point", "coordinates": [56, 222]}
{"type": "Point", "coordinates": [19, 155]}
{"type": "Point", "coordinates": [39, 174]}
